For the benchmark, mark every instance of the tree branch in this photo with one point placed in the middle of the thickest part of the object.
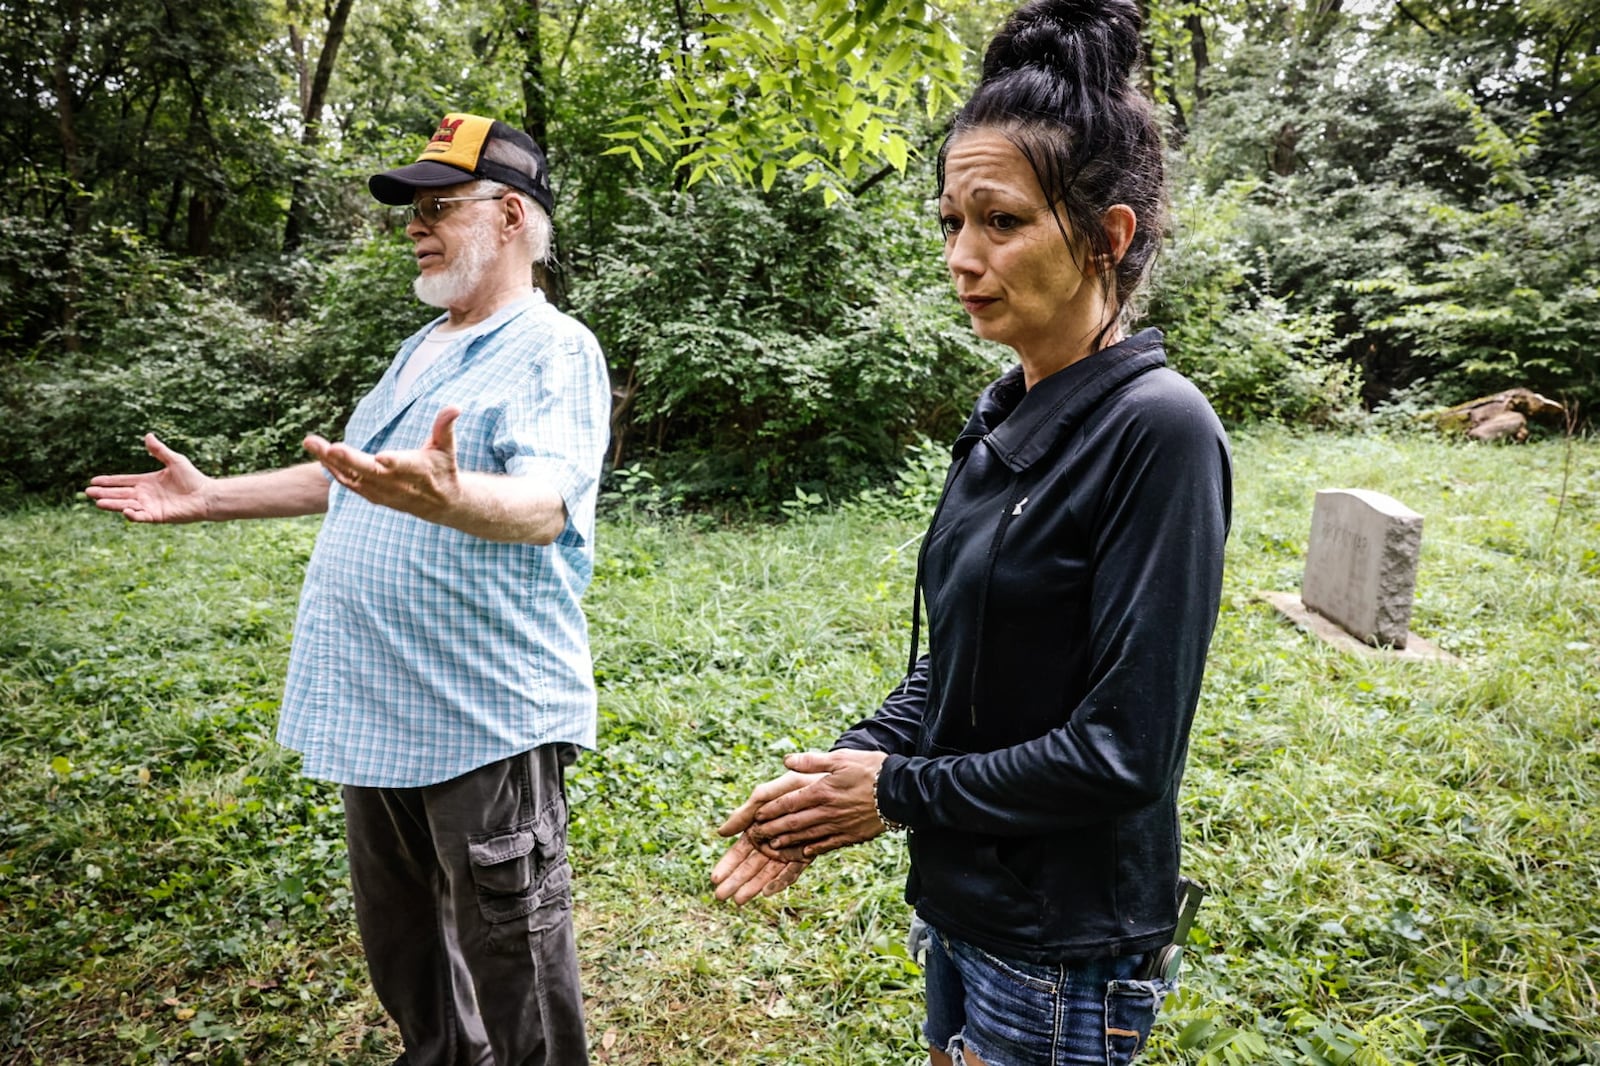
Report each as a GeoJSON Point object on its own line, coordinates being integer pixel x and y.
{"type": "Point", "coordinates": [1422, 25]}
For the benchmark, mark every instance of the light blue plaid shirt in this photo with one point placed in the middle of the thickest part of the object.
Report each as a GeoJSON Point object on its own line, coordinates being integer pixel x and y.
{"type": "Point", "coordinates": [421, 652]}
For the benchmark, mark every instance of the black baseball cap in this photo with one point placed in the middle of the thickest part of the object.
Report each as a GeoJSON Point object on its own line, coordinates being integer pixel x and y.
{"type": "Point", "coordinates": [457, 152]}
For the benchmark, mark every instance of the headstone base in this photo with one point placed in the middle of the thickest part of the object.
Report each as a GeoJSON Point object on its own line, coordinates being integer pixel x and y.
{"type": "Point", "coordinates": [1330, 632]}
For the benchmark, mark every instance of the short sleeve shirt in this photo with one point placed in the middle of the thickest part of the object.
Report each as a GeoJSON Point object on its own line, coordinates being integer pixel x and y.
{"type": "Point", "coordinates": [421, 652]}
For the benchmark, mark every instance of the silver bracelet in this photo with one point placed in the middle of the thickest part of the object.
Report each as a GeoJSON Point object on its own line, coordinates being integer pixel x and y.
{"type": "Point", "coordinates": [889, 824]}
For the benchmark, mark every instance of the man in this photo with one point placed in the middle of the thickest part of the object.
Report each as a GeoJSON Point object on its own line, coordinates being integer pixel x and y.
{"type": "Point", "coordinates": [440, 666]}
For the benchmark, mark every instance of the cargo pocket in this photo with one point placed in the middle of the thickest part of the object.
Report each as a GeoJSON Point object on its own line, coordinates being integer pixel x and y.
{"type": "Point", "coordinates": [554, 876]}
{"type": "Point", "coordinates": [1131, 1008]}
{"type": "Point", "coordinates": [504, 869]}
{"type": "Point", "coordinates": [522, 877]}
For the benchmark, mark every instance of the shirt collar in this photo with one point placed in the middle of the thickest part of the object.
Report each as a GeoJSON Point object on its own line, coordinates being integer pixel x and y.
{"type": "Point", "coordinates": [1022, 424]}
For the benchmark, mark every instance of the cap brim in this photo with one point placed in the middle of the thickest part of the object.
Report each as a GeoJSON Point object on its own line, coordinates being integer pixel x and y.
{"type": "Point", "coordinates": [397, 187]}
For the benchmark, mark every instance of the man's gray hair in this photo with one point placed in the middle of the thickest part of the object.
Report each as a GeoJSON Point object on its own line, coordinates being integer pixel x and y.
{"type": "Point", "coordinates": [539, 234]}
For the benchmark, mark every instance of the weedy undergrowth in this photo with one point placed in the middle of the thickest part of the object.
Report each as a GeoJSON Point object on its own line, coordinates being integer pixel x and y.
{"type": "Point", "coordinates": [1401, 857]}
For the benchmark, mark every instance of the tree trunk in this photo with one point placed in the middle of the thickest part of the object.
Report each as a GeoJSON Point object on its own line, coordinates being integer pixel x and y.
{"type": "Point", "coordinates": [202, 221]}
{"type": "Point", "coordinates": [1283, 157]}
{"type": "Point", "coordinates": [1180, 121]}
{"type": "Point", "coordinates": [535, 102]}
{"type": "Point", "coordinates": [311, 129]}
{"type": "Point", "coordinates": [1147, 61]}
{"type": "Point", "coordinates": [77, 199]}
{"type": "Point", "coordinates": [1199, 54]}
{"type": "Point", "coordinates": [1322, 18]}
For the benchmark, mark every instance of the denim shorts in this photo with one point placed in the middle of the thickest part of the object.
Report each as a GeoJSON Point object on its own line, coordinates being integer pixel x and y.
{"type": "Point", "coordinates": [1013, 1013]}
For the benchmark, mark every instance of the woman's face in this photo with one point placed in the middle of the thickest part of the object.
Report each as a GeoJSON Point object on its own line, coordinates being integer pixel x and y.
{"type": "Point", "coordinates": [1014, 272]}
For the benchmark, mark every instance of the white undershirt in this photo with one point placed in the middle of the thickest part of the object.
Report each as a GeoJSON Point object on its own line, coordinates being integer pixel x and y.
{"type": "Point", "coordinates": [439, 340]}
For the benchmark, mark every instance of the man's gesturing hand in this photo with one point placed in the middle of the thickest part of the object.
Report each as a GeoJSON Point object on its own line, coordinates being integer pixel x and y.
{"type": "Point", "coordinates": [175, 493]}
{"type": "Point", "coordinates": [746, 872]}
{"type": "Point", "coordinates": [422, 481]}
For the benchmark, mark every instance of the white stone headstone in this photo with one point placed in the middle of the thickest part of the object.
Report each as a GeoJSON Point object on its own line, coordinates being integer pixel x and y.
{"type": "Point", "coordinates": [1361, 565]}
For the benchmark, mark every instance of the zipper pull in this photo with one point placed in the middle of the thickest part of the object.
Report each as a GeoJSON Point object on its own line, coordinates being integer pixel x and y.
{"type": "Point", "coordinates": [1018, 508]}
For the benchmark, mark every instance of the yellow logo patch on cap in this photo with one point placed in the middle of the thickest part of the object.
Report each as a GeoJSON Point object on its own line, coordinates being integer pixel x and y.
{"type": "Point", "coordinates": [458, 141]}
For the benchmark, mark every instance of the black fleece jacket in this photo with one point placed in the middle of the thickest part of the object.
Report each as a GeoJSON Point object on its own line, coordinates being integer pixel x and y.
{"type": "Point", "coordinates": [1072, 574]}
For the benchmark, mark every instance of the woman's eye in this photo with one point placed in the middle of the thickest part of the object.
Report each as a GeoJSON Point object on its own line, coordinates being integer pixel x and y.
{"type": "Point", "coordinates": [1003, 221]}
{"type": "Point", "coordinates": [949, 225]}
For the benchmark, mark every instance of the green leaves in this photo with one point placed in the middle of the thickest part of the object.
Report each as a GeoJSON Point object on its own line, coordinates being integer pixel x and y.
{"type": "Point", "coordinates": [1402, 857]}
{"type": "Point", "coordinates": [756, 82]}
{"type": "Point", "coordinates": [776, 344]}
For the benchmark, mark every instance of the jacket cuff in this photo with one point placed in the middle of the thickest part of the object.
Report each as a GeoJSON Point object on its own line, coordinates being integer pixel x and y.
{"type": "Point", "coordinates": [892, 801]}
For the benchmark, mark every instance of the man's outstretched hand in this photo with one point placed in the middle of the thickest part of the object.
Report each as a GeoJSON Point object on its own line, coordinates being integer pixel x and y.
{"type": "Point", "coordinates": [421, 481]}
{"type": "Point", "coordinates": [836, 808]}
{"type": "Point", "coordinates": [746, 872]}
{"type": "Point", "coordinates": [175, 493]}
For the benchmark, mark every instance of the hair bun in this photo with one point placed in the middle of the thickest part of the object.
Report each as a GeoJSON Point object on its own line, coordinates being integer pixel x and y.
{"type": "Point", "coordinates": [1095, 43]}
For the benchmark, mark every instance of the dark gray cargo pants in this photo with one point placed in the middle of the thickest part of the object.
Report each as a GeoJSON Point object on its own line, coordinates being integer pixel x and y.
{"type": "Point", "coordinates": [463, 897]}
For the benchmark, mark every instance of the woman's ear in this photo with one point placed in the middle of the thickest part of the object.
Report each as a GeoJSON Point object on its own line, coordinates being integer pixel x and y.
{"type": "Point", "coordinates": [1120, 223]}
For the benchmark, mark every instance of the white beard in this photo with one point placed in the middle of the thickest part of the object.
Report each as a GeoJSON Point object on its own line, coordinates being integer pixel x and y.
{"type": "Point", "coordinates": [475, 251]}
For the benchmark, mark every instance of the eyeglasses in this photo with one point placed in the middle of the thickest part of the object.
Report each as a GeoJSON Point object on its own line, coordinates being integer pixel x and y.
{"type": "Point", "coordinates": [432, 208]}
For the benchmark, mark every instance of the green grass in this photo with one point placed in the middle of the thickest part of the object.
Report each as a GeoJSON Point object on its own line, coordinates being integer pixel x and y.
{"type": "Point", "coordinates": [1403, 857]}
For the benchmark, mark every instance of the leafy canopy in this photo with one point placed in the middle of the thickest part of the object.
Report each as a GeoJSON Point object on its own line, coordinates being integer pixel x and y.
{"type": "Point", "coordinates": [756, 89]}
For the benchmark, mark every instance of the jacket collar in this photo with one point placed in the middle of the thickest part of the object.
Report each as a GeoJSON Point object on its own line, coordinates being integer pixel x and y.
{"type": "Point", "coordinates": [1022, 424]}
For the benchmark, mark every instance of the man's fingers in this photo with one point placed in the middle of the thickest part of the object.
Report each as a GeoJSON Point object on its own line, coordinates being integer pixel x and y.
{"type": "Point", "coordinates": [791, 873]}
{"type": "Point", "coordinates": [782, 786]}
{"type": "Point", "coordinates": [747, 863]}
{"type": "Point", "coordinates": [763, 881]}
{"type": "Point", "coordinates": [163, 454]}
{"type": "Point", "coordinates": [771, 829]}
{"type": "Point", "coordinates": [347, 464]}
{"type": "Point", "coordinates": [113, 503]}
{"type": "Point", "coordinates": [748, 891]}
{"type": "Point", "coordinates": [822, 847]}
{"type": "Point", "coordinates": [443, 437]}
{"type": "Point", "coordinates": [745, 873]}
{"type": "Point", "coordinates": [731, 859]}
{"type": "Point", "coordinates": [352, 460]}
{"type": "Point", "coordinates": [111, 496]}
{"type": "Point", "coordinates": [739, 820]}
{"type": "Point", "coordinates": [788, 854]}
{"type": "Point", "coordinates": [799, 802]}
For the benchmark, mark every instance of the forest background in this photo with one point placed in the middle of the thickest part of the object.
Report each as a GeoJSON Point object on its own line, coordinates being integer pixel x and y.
{"type": "Point", "coordinates": [1376, 203]}
{"type": "Point", "coordinates": [1380, 208]}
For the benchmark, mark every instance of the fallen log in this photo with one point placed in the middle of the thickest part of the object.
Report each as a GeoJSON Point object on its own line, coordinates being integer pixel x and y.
{"type": "Point", "coordinates": [1503, 416]}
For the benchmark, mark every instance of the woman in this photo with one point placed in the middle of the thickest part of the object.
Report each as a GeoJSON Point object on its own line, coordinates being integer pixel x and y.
{"type": "Point", "coordinates": [1072, 573]}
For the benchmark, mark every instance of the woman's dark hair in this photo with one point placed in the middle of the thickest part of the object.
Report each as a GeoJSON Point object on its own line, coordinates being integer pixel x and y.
{"type": "Point", "coordinates": [1058, 83]}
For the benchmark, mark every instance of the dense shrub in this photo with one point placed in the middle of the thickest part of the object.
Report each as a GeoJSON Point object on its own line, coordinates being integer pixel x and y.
{"type": "Point", "coordinates": [1510, 297]}
{"type": "Point", "coordinates": [1256, 353]}
{"type": "Point", "coordinates": [149, 346]}
{"type": "Point", "coordinates": [778, 341]}
{"type": "Point", "coordinates": [155, 346]}
{"type": "Point", "coordinates": [360, 308]}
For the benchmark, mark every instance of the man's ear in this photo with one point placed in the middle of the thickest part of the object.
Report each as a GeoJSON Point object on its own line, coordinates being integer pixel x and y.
{"type": "Point", "coordinates": [515, 213]}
